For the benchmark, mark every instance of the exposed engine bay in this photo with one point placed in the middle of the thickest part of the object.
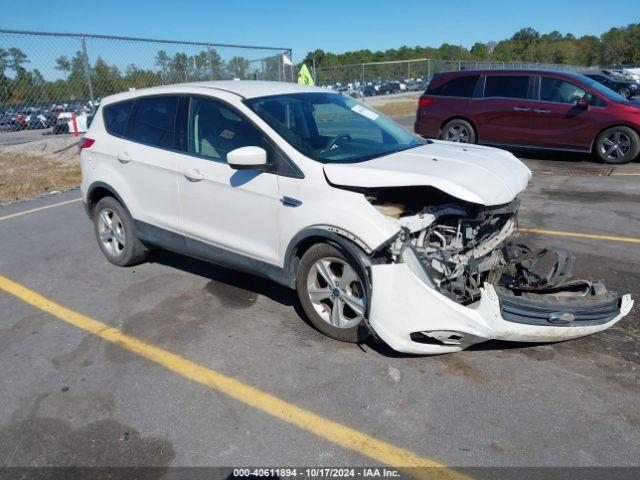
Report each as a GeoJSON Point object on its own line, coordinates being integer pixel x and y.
{"type": "Point", "coordinates": [464, 245]}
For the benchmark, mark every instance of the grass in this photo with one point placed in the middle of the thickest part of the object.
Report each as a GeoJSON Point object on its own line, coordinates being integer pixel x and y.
{"type": "Point", "coordinates": [24, 176]}
{"type": "Point", "coordinates": [401, 107]}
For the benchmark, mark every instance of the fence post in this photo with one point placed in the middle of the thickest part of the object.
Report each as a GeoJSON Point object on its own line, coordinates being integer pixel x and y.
{"type": "Point", "coordinates": [315, 80]}
{"type": "Point", "coordinates": [362, 88]}
{"type": "Point", "coordinates": [291, 66]}
{"type": "Point", "coordinates": [210, 62]}
{"type": "Point", "coordinates": [87, 70]}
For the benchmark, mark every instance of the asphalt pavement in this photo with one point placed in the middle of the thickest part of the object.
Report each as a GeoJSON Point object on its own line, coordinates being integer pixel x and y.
{"type": "Point", "coordinates": [67, 396]}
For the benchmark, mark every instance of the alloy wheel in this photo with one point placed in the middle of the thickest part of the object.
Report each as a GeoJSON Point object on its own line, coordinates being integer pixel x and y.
{"type": "Point", "coordinates": [111, 232]}
{"type": "Point", "coordinates": [615, 145]}
{"type": "Point", "coordinates": [457, 133]}
{"type": "Point", "coordinates": [336, 292]}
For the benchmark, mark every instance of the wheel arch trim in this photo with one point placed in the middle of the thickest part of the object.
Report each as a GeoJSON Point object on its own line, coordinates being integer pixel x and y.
{"type": "Point", "coordinates": [90, 201]}
{"type": "Point", "coordinates": [345, 241]}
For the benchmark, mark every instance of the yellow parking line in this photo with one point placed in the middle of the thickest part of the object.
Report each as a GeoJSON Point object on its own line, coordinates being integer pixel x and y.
{"type": "Point", "coordinates": [579, 235]}
{"type": "Point", "coordinates": [625, 174]}
{"type": "Point", "coordinates": [329, 430]}
{"type": "Point", "coordinates": [33, 210]}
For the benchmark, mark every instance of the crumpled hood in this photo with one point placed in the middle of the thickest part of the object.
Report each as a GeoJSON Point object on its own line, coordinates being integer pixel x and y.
{"type": "Point", "coordinates": [473, 173]}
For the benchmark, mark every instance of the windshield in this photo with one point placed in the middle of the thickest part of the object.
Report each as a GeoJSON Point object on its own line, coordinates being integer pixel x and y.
{"type": "Point", "coordinates": [603, 90]}
{"type": "Point", "coordinates": [332, 128]}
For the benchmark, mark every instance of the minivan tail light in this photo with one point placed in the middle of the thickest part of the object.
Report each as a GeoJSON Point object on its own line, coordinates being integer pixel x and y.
{"type": "Point", "coordinates": [425, 102]}
{"type": "Point", "coordinates": [85, 142]}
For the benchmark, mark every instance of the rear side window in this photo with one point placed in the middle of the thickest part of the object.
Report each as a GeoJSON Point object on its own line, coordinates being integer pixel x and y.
{"type": "Point", "coordinates": [154, 121]}
{"type": "Point", "coordinates": [116, 117]}
{"type": "Point", "coordinates": [456, 87]}
{"type": "Point", "coordinates": [510, 86]}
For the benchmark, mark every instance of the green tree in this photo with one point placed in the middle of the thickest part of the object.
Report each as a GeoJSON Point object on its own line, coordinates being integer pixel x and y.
{"type": "Point", "coordinates": [63, 64]}
{"type": "Point", "coordinates": [480, 51]}
{"type": "Point", "coordinates": [238, 67]}
{"type": "Point", "coordinates": [17, 58]}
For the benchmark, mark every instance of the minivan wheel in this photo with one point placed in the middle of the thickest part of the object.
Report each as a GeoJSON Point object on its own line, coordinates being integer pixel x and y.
{"type": "Point", "coordinates": [333, 294]}
{"type": "Point", "coordinates": [458, 130]}
{"type": "Point", "coordinates": [116, 237]}
{"type": "Point", "coordinates": [617, 145]}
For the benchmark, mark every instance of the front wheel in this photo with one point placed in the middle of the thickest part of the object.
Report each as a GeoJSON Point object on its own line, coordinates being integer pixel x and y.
{"type": "Point", "coordinates": [458, 130]}
{"type": "Point", "coordinates": [617, 145]}
{"type": "Point", "coordinates": [625, 92]}
{"type": "Point", "coordinates": [333, 294]}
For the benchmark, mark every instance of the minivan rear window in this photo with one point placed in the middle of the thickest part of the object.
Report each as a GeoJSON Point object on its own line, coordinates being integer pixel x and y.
{"type": "Point", "coordinates": [456, 87]}
{"type": "Point", "coordinates": [154, 121]}
{"type": "Point", "coordinates": [510, 86]}
{"type": "Point", "coordinates": [116, 117]}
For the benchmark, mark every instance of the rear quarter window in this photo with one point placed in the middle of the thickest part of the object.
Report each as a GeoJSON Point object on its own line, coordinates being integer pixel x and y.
{"type": "Point", "coordinates": [116, 117]}
{"type": "Point", "coordinates": [154, 121]}
{"type": "Point", "coordinates": [456, 87]}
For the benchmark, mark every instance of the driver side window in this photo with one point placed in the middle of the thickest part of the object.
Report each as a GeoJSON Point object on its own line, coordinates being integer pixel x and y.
{"type": "Point", "coordinates": [559, 91]}
{"type": "Point", "coordinates": [215, 130]}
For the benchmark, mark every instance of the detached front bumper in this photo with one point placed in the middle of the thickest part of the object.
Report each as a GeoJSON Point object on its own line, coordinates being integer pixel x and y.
{"type": "Point", "coordinates": [413, 317]}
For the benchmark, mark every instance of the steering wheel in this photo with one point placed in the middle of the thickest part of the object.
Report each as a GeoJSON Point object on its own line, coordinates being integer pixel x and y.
{"type": "Point", "coordinates": [334, 141]}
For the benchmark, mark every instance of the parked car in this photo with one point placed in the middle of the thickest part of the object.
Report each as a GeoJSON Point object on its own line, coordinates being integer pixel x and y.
{"type": "Point", "coordinates": [370, 90]}
{"type": "Point", "coordinates": [65, 122]}
{"type": "Point", "coordinates": [377, 230]}
{"type": "Point", "coordinates": [530, 108]}
{"type": "Point", "coordinates": [12, 122]}
{"type": "Point", "coordinates": [36, 119]}
{"type": "Point", "coordinates": [388, 87]}
{"type": "Point", "coordinates": [623, 74]}
{"type": "Point", "coordinates": [626, 88]}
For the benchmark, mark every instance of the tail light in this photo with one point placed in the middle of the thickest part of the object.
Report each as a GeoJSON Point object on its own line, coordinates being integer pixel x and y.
{"type": "Point", "coordinates": [85, 142]}
{"type": "Point", "coordinates": [425, 102]}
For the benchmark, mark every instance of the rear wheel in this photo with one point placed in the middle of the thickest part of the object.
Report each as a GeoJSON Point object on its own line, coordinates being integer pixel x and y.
{"type": "Point", "coordinates": [333, 294]}
{"type": "Point", "coordinates": [617, 145]}
{"type": "Point", "coordinates": [458, 130]}
{"type": "Point", "coordinates": [625, 92]}
{"type": "Point", "coordinates": [114, 231]}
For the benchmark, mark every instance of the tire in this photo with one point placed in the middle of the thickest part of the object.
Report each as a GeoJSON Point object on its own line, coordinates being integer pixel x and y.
{"type": "Point", "coordinates": [458, 130]}
{"type": "Point", "coordinates": [625, 92]}
{"type": "Point", "coordinates": [115, 234]}
{"type": "Point", "coordinates": [332, 314]}
{"type": "Point", "coordinates": [617, 145]}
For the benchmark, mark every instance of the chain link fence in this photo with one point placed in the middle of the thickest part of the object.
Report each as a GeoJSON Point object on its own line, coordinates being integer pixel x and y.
{"type": "Point", "coordinates": [51, 83]}
{"type": "Point", "coordinates": [379, 78]}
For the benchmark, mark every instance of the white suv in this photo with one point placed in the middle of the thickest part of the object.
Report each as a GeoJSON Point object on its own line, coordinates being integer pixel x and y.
{"type": "Point", "coordinates": [379, 231]}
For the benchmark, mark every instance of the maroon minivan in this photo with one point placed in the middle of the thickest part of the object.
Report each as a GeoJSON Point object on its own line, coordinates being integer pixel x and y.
{"type": "Point", "coordinates": [532, 109]}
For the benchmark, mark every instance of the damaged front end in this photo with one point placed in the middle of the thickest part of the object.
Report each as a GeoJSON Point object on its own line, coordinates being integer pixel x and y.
{"type": "Point", "coordinates": [467, 253]}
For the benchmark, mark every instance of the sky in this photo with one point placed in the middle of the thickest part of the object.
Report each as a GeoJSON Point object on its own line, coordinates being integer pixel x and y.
{"type": "Point", "coordinates": [333, 25]}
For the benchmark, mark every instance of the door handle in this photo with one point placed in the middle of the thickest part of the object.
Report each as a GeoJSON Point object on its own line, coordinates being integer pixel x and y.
{"type": "Point", "coordinates": [193, 175]}
{"type": "Point", "coordinates": [521, 109]}
{"type": "Point", "coordinates": [541, 110]}
{"type": "Point", "coordinates": [290, 201]}
{"type": "Point", "coordinates": [124, 158]}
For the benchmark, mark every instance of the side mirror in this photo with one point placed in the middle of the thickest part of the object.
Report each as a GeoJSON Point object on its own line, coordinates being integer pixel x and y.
{"type": "Point", "coordinates": [583, 103]}
{"type": "Point", "coordinates": [247, 158]}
